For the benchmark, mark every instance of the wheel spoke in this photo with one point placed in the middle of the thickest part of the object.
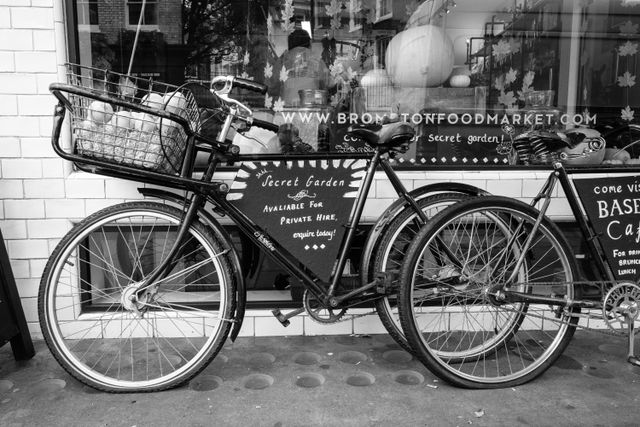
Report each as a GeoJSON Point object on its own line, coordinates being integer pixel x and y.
{"type": "Point", "coordinates": [464, 331]}
{"type": "Point", "coordinates": [111, 334]}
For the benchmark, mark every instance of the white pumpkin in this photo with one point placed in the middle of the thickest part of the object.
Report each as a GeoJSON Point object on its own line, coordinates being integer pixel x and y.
{"type": "Point", "coordinates": [420, 57]}
{"type": "Point", "coordinates": [100, 112]}
{"type": "Point", "coordinates": [460, 80]}
{"type": "Point", "coordinates": [616, 154]}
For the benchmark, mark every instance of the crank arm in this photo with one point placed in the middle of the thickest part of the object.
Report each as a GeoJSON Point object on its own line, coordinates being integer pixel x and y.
{"type": "Point", "coordinates": [284, 318]}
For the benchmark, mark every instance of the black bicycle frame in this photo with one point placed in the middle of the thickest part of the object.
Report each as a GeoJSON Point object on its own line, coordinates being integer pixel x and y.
{"type": "Point", "coordinates": [562, 175]}
{"type": "Point", "coordinates": [287, 260]}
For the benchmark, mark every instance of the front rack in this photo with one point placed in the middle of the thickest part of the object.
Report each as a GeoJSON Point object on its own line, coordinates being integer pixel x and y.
{"type": "Point", "coordinates": [130, 127]}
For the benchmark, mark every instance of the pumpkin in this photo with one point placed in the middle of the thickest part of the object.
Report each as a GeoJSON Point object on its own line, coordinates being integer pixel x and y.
{"type": "Point", "coordinates": [460, 80]}
{"type": "Point", "coordinates": [616, 154]}
{"type": "Point", "coordinates": [420, 57]}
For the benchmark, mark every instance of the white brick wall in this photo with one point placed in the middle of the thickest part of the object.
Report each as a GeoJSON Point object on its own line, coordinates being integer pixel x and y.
{"type": "Point", "coordinates": [30, 172]}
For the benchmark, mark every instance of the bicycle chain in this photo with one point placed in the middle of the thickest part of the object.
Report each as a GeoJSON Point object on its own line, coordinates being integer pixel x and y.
{"type": "Point", "coordinates": [608, 331]}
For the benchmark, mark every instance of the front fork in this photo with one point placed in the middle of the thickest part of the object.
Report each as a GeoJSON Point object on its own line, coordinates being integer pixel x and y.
{"type": "Point", "coordinates": [146, 285]}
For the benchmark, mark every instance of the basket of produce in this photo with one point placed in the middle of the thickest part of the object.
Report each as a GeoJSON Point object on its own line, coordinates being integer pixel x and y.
{"type": "Point", "coordinates": [120, 119]}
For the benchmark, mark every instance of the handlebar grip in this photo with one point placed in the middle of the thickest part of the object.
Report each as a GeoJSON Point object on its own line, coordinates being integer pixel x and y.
{"type": "Point", "coordinates": [266, 125]}
{"type": "Point", "coordinates": [250, 85]}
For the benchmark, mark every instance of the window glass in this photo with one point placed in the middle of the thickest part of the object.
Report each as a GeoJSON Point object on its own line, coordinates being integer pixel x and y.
{"type": "Point", "coordinates": [457, 70]}
{"type": "Point", "coordinates": [149, 15]}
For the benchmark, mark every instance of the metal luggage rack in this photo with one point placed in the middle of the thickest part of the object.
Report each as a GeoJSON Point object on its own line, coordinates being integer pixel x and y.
{"type": "Point", "coordinates": [128, 127]}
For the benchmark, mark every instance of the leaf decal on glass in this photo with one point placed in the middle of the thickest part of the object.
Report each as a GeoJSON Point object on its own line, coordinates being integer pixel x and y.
{"type": "Point", "coordinates": [627, 114]}
{"type": "Point", "coordinates": [278, 106]}
{"type": "Point", "coordinates": [268, 71]}
{"type": "Point", "coordinates": [511, 76]}
{"type": "Point", "coordinates": [284, 74]}
{"type": "Point", "coordinates": [628, 49]}
{"type": "Point", "coordinates": [626, 80]}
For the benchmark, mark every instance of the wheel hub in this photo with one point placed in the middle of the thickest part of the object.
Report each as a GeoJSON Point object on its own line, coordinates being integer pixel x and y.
{"type": "Point", "coordinates": [132, 301]}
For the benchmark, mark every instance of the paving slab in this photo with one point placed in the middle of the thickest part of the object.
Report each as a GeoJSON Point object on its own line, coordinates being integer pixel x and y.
{"type": "Point", "coordinates": [331, 381]}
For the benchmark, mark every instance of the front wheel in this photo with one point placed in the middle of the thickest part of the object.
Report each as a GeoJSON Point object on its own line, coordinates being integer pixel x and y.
{"type": "Point", "coordinates": [466, 284]}
{"type": "Point", "coordinates": [108, 333]}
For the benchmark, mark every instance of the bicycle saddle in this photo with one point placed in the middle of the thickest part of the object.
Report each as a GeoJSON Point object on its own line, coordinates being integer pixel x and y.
{"type": "Point", "coordinates": [386, 134]}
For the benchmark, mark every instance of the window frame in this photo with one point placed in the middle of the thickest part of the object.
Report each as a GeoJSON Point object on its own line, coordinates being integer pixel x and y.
{"type": "Point", "coordinates": [143, 27]}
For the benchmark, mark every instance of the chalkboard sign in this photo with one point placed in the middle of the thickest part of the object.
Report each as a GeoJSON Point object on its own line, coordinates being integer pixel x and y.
{"type": "Point", "coordinates": [302, 204]}
{"type": "Point", "coordinates": [461, 144]}
{"type": "Point", "coordinates": [613, 207]}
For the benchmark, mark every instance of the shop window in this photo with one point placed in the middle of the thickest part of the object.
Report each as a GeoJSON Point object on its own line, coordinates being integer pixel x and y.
{"type": "Point", "coordinates": [456, 70]}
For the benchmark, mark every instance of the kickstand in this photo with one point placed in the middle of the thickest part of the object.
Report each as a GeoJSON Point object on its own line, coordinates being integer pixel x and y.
{"type": "Point", "coordinates": [632, 358]}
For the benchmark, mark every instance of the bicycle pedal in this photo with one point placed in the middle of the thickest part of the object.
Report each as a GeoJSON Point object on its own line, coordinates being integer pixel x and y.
{"type": "Point", "coordinates": [281, 318]}
{"type": "Point", "coordinates": [634, 360]}
{"type": "Point", "coordinates": [387, 282]}
{"type": "Point", "coordinates": [284, 318]}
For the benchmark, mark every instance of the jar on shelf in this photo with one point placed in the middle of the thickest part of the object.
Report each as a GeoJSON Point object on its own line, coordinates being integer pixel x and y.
{"type": "Point", "coordinates": [540, 112]}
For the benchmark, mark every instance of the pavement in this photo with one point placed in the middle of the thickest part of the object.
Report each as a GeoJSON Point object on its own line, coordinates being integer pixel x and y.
{"type": "Point", "coordinates": [331, 381]}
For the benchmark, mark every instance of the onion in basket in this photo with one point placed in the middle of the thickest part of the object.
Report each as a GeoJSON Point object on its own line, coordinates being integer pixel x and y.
{"type": "Point", "coordinates": [100, 112]}
{"type": "Point", "coordinates": [175, 102]}
{"type": "Point", "coordinates": [121, 120]}
{"type": "Point", "coordinates": [143, 122]}
{"type": "Point", "coordinates": [153, 100]}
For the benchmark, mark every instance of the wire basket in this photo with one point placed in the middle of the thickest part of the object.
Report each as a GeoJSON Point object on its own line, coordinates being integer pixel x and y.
{"type": "Point", "coordinates": [126, 136]}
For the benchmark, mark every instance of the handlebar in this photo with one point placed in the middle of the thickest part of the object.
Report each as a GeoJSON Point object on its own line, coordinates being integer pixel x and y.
{"type": "Point", "coordinates": [223, 85]}
{"type": "Point", "coordinates": [250, 85]}
{"type": "Point", "coordinates": [266, 125]}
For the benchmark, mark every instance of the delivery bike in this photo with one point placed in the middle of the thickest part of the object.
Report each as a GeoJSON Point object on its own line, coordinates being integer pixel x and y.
{"type": "Point", "coordinates": [142, 295]}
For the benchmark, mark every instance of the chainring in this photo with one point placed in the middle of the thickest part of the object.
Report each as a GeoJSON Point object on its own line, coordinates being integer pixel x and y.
{"type": "Point", "coordinates": [320, 313]}
{"type": "Point", "coordinates": [621, 306]}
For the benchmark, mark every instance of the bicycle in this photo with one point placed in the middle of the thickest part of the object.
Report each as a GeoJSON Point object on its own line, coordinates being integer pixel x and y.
{"type": "Point", "coordinates": [490, 292]}
{"type": "Point", "coordinates": [141, 296]}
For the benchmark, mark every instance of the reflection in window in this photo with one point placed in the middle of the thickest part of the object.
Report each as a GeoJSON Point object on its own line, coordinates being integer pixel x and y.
{"type": "Point", "coordinates": [150, 15]}
{"type": "Point", "coordinates": [88, 12]}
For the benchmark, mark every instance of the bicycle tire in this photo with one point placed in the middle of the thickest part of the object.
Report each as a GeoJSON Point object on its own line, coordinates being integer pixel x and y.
{"type": "Point", "coordinates": [468, 337]}
{"type": "Point", "coordinates": [100, 333]}
{"type": "Point", "coordinates": [392, 249]}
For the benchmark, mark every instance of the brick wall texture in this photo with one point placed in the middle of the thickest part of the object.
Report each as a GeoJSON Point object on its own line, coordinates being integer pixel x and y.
{"type": "Point", "coordinates": [41, 196]}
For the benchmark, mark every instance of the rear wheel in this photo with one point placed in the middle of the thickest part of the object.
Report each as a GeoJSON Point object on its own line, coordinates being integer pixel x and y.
{"type": "Point", "coordinates": [393, 250]}
{"type": "Point", "coordinates": [456, 283]}
{"type": "Point", "coordinates": [108, 333]}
